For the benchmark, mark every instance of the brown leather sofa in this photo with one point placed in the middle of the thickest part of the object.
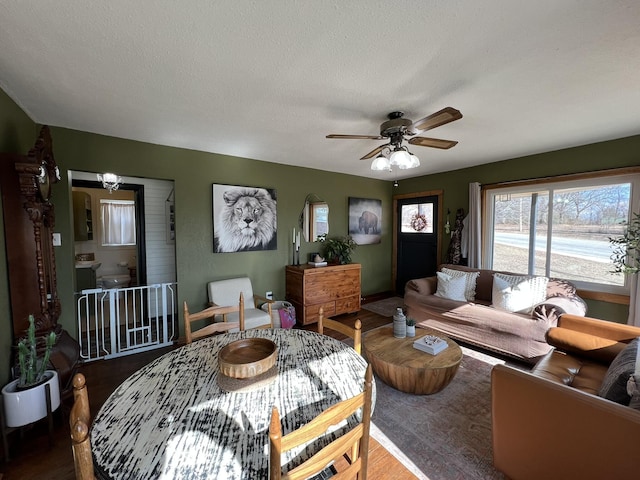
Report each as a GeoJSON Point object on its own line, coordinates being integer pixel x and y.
{"type": "Point", "coordinates": [550, 422]}
{"type": "Point", "coordinates": [517, 335]}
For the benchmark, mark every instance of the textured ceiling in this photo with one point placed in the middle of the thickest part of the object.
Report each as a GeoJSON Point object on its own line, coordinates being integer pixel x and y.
{"type": "Point", "coordinates": [269, 79]}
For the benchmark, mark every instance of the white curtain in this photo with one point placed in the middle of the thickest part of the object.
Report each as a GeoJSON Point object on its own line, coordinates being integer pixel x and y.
{"type": "Point", "coordinates": [634, 301]}
{"type": "Point", "coordinates": [474, 225]}
{"type": "Point", "coordinates": [118, 222]}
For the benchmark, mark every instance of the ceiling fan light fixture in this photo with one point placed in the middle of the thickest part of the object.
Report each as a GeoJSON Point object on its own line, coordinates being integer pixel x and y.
{"type": "Point", "coordinates": [401, 158]}
{"type": "Point", "coordinates": [414, 162]}
{"type": "Point", "coordinates": [380, 163]}
{"type": "Point", "coordinates": [396, 129]}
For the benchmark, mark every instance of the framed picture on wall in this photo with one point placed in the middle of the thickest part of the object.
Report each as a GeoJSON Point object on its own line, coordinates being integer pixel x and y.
{"type": "Point", "coordinates": [170, 215]}
{"type": "Point", "coordinates": [244, 218]}
{"type": "Point", "coordinates": [365, 220]}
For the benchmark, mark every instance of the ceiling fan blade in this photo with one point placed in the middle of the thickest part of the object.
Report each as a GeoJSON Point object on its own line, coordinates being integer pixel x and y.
{"type": "Point", "coordinates": [355, 137]}
{"type": "Point", "coordinates": [433, 142]}
{"type": "Point", "coordinates": [374, 152]}
{"type": "Point", "coordinates": [444, 116]}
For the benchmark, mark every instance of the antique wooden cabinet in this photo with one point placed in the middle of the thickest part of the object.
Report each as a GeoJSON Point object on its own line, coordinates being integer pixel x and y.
{"type": "Point", "coordinates": [29, 220]}
{"type": "Point", "coordinates": [335, 288]}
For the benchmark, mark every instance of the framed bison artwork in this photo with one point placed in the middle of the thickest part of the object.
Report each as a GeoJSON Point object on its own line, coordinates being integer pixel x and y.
{"type": "Point", "coordinates": [365, 220]}
{"type": "Point", "coordinates": [244, 219]}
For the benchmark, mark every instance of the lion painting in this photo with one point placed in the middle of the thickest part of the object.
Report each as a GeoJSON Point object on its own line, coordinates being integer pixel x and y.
{"type": "Point", "coordinates": [246, 221]}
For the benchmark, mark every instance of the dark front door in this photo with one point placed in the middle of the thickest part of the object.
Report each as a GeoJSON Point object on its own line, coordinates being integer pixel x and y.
{"type": "Point", "coordinates": [416, 229]}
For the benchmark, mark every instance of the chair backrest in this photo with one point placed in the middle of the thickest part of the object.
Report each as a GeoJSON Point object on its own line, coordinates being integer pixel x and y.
{"type": "Point", "coordinates": [79, 421]}
{"type": "Point", "coordinates": [353, 445]}
{"type": "Point", "coordinates": [225, 292]}
{"type": "Point", "coordinates": [213, 327]}
{"type": "Point", "coordinates": [354, 332]}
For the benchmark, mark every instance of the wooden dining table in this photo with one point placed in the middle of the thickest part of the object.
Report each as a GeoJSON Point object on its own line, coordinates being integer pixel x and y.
{"type": "Point", "coordinates": [180, 417]}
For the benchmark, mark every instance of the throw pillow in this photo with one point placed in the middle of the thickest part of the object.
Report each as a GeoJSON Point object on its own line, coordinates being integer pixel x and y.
{"type": "Point", "coordinates": [470, 281]}
{"type": "Point", "coordinates": [614, 385]}
{"type": "Point", "coordinates": [514, 293]}
{"type": "Point", "coordinates": [633, 389]}
{"type": "Point", "coordinates": [451, 288]}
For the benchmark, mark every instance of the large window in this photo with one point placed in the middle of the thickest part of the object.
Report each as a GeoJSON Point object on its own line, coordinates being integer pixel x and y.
{"type": "Point", "coordinates": [118, 222]}
{"type": "Point", "coordinates": [560, 229]}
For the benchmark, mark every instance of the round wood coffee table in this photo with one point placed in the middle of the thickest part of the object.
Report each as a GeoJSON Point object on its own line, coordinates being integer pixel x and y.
{"type": "Point", "coordinates": [398, 364]}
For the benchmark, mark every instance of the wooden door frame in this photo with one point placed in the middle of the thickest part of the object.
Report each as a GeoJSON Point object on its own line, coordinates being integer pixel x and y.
{"type": "Point", "coordinates": [405, 196]}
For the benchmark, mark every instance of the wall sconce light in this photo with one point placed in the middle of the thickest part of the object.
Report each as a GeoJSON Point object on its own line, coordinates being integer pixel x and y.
{"type": "Point", "coordinates": [110, 181]}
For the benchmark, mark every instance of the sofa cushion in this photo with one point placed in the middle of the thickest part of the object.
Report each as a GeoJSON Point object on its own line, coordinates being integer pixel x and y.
{"type": "Point", "coordinates": [563, 294]}
{"type": "Point", "coordinates": [470, 281]}
{"type": "Point", "coordinates": [614, 385]}
{"type": "Point", "coordinates": [515, 293]}
{"type": "Point", "coordinates": [594, 347]}
{"type": "Point", "coordinates": [577, 372]}
{"type": "Point", "coordinates": [483, 283]}
{"type": "Point", "coordinates": [633, 384]}
{"type": "Point", "coordinates": [633, 389]}
{"type": "Point", "coordinates": [450, 287]}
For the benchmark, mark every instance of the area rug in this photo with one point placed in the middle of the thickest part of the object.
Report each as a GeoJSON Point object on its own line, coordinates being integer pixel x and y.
{"type": "Point", "coordinates": [446, 435]}
{"type": "Point", "coordinates": [385, 307]}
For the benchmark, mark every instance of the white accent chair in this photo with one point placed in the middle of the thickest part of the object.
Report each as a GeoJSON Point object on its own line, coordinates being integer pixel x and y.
{"type": "Point", "coordinates": [225, 293]}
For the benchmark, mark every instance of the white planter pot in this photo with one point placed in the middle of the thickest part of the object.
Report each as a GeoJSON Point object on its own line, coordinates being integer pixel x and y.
{"type": "Point", "coordinates": [22, 407]}
{"type": "Point", "coordinates": [411, 330]}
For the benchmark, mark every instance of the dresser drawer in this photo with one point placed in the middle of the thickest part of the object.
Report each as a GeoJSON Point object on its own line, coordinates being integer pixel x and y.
{"type": "Point", "coordinates": [312, 312]}
{"type": "Point", "coordinates": [348, 304]}
{"type": "Point", "coordinates": [335, 288]}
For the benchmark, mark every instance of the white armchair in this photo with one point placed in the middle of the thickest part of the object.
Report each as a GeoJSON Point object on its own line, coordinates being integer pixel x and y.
{"type": "Point", "coordinates": [225, 293]}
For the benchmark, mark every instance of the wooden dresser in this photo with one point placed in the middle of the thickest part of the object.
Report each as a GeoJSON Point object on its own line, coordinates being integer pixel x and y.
{"type": "Point", "coordinates": [335, 288]}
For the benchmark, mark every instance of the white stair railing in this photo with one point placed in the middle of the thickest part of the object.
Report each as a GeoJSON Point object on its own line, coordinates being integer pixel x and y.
{"type": "Point", "coordinates": [123, 321]}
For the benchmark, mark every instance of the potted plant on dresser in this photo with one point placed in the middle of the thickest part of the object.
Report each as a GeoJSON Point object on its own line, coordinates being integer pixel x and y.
{"type": "Point", "coordinates": [337, 250]}
{"type": "Point", "coordinates": [24, 398]}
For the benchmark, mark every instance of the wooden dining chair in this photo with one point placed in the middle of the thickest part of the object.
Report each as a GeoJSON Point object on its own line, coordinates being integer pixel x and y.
{"type": "Point", "coordinates": [214, 327]}
{"type": "Point", "coordinates": [79, 421]}
{"type": "Point", "coordinates": [353, 446]}
{"type": "Point", "coordinates": [354, 332]}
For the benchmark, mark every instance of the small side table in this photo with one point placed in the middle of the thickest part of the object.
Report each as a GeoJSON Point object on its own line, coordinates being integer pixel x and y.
{"type": "Point", "coordinates": [399, 365]}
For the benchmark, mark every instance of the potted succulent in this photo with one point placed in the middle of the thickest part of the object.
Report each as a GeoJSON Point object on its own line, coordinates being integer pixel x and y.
{"type": "Point", "coordinates": [411, 327]}
{"type": "Point", "coordinates": [25, 397]}
{"type": "Point", "coordinates": [338, 249]}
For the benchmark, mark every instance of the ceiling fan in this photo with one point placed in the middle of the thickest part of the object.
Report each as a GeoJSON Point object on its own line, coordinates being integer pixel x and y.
{"type": "Point", "coordinates": [397, 129]}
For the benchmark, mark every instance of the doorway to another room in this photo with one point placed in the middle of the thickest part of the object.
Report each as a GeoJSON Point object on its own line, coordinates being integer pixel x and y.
{"type": "Point", "coordinates": [125, 273]}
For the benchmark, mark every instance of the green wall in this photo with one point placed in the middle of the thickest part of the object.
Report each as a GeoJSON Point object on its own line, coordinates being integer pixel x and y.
{"type": "Point", "coordinates": [17, 134]}
{"type": "Point", "coordinates": [194, 173]}
{"type": "Point", "coordinates": [620, 153]}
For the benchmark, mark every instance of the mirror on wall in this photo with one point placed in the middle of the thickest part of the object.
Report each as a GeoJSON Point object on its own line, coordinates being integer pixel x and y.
{"type": "Point", "coordinates": [314, 218]}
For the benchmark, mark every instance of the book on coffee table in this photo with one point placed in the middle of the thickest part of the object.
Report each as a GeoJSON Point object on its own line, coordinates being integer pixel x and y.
{"type": "Point", "coordinates": [430, 344]}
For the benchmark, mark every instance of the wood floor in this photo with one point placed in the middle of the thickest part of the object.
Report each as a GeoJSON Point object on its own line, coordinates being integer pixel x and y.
{"type": "Point", "coordinates": [34, 458]}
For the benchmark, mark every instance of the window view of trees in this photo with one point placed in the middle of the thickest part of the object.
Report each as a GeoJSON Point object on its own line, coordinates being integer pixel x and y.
{"type": "Point", "coordinates": [560, 232]}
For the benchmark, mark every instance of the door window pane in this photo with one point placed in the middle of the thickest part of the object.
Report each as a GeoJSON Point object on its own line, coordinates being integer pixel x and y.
{"type": "Point", "coordinates": [417, 218]}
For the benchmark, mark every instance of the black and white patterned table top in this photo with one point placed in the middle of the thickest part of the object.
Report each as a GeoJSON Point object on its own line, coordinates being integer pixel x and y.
{"type": "Point", "coordinates": [172, 420]}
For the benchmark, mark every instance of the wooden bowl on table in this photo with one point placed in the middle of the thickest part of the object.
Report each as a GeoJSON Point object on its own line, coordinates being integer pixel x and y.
{"type": "Point", "coordinates": [247, 358]}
